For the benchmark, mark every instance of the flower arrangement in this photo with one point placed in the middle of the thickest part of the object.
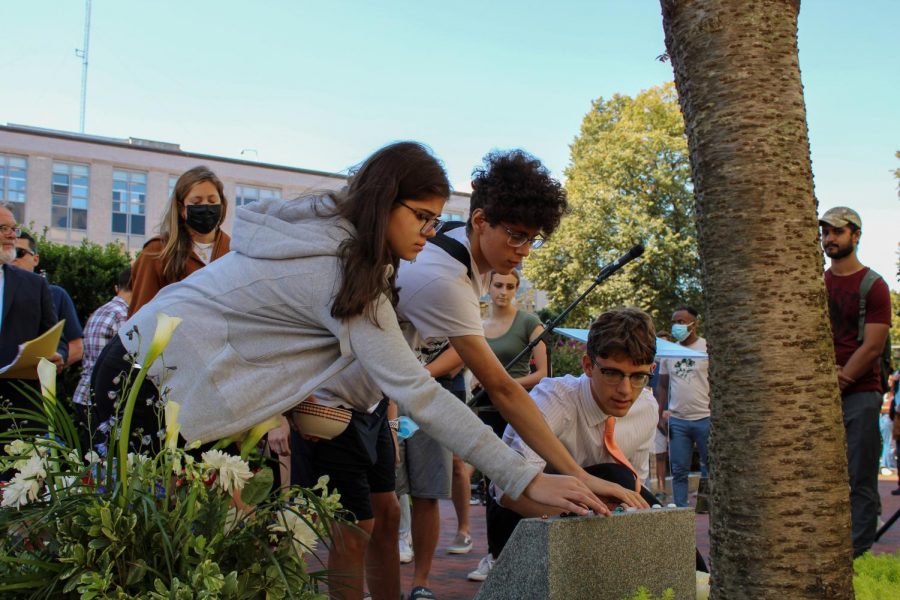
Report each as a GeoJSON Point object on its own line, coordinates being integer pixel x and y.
{"type": "Point", "coordinates": [183, 523]}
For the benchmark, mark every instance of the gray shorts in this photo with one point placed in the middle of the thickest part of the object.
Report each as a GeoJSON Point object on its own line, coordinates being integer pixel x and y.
{"type": "Point", "coordinates": [425, 469]}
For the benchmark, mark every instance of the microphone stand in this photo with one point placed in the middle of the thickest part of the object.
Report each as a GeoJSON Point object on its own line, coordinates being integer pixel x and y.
{"type": "Point", "coordinates": [605, 274]}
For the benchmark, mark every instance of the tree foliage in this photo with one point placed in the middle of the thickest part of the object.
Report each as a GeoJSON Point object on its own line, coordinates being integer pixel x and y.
{"type": "Point", "coordinates": [87, 271]}
{"type": "Point", "coordinates": [628, 183]}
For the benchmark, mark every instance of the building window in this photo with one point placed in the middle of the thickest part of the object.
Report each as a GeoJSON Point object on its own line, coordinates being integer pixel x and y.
{"type": "Point", "coordinates": [245, 194]}
{"type": "Point", "coordinates": [451, 216]}
{"type": "Point", "coordinates": [69, 192]}
{"type": "Point", "coordinates": [13, 177]}
{"type": "Point", "coordinates": [129, 199]}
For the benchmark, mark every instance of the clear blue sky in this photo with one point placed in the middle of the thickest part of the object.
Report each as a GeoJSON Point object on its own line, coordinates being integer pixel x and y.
{"type": "Point", "coordinates": [321, 84]}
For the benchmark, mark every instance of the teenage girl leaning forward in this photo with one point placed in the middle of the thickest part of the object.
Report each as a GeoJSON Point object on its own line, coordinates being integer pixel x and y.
{"type": "Point", "coordinates": [307, 292]}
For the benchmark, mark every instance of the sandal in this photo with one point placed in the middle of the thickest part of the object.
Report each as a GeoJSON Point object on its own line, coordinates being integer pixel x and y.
{"type": "Point", "coordinates": [421, 593]}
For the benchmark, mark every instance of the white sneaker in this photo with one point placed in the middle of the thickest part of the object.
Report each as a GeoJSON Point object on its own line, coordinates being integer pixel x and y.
{"type": "Point", "coordinates": [406, 551]}
{"type": "Point", "coordinates": [462, 544]}
{"type": "Point", "coordinates": [484, 568]}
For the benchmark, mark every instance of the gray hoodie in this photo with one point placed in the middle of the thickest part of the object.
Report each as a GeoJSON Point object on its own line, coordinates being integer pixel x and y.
{"type": "Point", "coordinates": [257, 338]}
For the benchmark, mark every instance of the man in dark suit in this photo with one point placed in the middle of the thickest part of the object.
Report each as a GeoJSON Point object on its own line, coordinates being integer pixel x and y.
{"type": "Point", "coordinates": [26, 311]}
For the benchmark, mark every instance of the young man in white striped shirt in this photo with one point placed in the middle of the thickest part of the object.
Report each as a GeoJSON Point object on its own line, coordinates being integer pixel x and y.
{"type": "Point", "coordinates": [621, 348]}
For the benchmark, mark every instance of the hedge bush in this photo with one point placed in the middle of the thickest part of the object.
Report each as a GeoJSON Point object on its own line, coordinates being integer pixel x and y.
{"type": "Point", "coordinates": [87, 271]}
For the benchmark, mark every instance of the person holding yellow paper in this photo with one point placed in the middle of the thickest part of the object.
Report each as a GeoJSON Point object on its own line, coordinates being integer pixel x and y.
{"type": "Point", "coordinates": [26, 312]}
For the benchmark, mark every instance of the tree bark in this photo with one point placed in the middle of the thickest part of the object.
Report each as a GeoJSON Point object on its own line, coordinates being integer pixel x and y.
{"type": "Point", "coordinates": [780, 521]}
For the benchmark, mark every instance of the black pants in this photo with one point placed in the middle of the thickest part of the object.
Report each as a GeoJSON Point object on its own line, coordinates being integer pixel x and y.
{"type": "Point", "coordinates": [501, 522]}
{"type": "Point", "coordinates": [111, 372]}
{"type": "Point", "coordinates": [359, 461]}
{"type": "Point", "coordinates": [861, 412]}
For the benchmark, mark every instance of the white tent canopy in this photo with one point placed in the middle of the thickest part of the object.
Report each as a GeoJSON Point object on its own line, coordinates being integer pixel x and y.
{"type": "Point", "coordinates": [664, 348]}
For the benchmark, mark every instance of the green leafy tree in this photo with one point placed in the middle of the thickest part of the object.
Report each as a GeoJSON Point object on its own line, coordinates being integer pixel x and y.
{"type": "Point", "coordinates": [897, 171]}
{"type": "Point", "coordinates": [628, 182]}
{"type": "Point", "coordinates": [87, 271]}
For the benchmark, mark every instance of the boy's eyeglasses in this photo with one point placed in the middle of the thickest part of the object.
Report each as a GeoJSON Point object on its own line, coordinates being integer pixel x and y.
{"type": "Point", "coordinates": [615, 377]}
{"type": "Point", "coordinates": [517, 239]}
{"type": "Point", "coordinates": [429, 223]}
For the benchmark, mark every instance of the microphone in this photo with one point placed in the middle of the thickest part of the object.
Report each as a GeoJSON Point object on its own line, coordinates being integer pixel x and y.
{"type": "Point", "coordinates": [623, 260]}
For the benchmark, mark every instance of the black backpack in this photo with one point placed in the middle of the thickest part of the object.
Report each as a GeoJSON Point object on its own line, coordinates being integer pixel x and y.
{"type": "Point", "coordinates": [452, 247]}
{"type": "Point", "coordinates": [884, 362]}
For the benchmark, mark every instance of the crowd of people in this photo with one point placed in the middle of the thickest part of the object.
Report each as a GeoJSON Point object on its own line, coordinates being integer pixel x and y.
{"type": "Point", "coordinates": [361, 299]}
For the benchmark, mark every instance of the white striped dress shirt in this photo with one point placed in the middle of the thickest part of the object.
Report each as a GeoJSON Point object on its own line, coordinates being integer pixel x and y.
{"type": "Point", "coordinates": [574, 417]}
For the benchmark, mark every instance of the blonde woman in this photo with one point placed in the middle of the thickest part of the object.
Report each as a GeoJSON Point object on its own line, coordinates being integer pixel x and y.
{"type": "Point", "coordinates": [508, 330]}
{"type": "Point", "coordinates": [190, 236]}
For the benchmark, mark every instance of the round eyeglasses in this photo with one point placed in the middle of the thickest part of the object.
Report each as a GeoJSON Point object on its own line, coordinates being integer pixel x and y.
{"type": "Point", "coordinates": [430, 223]}
{"type": "Point", "coordinates": [615, 377]}
{"type": "Point", "coordinates": [517, 239]}
{"type": "Point", "coordinates": [7, 229]}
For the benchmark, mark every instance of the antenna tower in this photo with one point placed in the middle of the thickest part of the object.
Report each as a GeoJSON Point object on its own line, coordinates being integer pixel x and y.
{"type": "Point", "coordinates": [83, 55]}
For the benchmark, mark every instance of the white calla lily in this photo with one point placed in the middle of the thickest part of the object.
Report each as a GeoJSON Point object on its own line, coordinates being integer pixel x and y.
{"type": "Point", "coordinates": [173, 427]}
{"type": "Point", "coordinates": [46, 371]}
{"type": "Point", "coordinates": [165, 327]}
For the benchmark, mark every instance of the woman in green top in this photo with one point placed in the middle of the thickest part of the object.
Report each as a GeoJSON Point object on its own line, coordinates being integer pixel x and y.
{"type": "Point", "coordinates": [508, 330]}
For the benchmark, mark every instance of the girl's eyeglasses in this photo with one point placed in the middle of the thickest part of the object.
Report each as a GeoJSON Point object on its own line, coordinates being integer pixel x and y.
{"type": "Point", "coordinates": [429, 223]}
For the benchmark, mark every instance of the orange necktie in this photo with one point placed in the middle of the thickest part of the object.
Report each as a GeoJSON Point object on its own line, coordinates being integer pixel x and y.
{"type": "Point", "coordinates": [609, 441]}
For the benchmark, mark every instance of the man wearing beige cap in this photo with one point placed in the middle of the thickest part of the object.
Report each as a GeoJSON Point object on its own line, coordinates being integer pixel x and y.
{"type": "Point", "coordinates": [860, 308]}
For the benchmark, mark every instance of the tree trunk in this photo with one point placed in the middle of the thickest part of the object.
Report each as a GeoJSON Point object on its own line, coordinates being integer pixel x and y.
{"type": "Point", "coordinates": [780, 521]}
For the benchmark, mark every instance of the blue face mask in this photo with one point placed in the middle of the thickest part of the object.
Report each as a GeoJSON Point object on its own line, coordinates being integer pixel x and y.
{"type": "Point", "coordinates": [680, 331]}
{"type": "Point", "coordinates": [407, 428]}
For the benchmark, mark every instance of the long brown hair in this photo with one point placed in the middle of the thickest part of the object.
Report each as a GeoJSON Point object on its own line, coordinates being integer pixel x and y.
{"type": "Point", "coordinates": [176, 238]}
{"type": "Point", "coordinates": [400, 171]}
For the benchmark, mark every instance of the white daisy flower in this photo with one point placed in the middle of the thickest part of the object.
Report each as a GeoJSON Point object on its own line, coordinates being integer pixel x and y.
{"type": "Point", "coordinates": [303, 536]}
{"type": "Point", "coordinates": [233, 472]}
{"type": "Point", "coordinates": [20, 491]}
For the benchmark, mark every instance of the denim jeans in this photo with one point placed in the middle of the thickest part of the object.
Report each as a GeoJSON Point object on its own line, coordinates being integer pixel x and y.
{"type": "Point", "coordinates": [887, 442]}
{"type": "Point", "coordinates": [683, 435]}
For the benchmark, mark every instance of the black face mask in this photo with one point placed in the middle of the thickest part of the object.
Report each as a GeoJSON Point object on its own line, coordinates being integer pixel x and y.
{"type": "Point", "coordinates": [203, 218]}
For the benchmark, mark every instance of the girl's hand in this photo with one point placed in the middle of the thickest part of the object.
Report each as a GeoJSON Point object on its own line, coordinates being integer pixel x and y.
{"type": "Point", "coordinates": [280, 438]}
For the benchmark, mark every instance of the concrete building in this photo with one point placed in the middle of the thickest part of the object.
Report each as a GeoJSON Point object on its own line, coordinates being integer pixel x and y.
{"type": "Point", "coordinates": [115, 190]}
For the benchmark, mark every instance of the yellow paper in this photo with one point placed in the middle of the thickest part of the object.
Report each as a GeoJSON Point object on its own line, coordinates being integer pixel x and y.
{"type": "Point", "coordinates": [43, 346]}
